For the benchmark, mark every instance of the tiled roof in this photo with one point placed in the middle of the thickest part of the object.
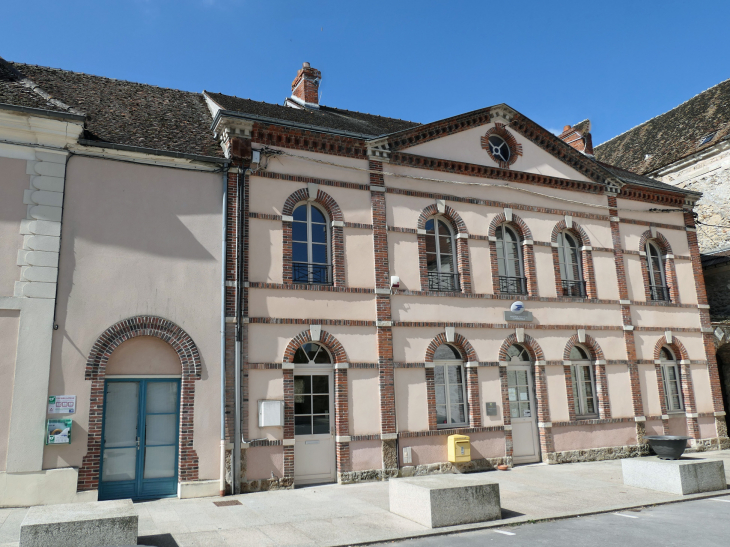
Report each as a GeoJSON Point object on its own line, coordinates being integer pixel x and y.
{"type": "Point", "coordinates": [327, 118]}
{"type": "Point", "coordinates": [640, 180]}
{"type": "Point", "coordinates": [673, 135]}
{"type": "Point", "coordinates": [17, 92]}
{"type": "Point", "coordinates": [130, 113]}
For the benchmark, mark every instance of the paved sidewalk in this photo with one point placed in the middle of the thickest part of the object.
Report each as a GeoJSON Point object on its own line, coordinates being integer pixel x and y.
{"type": "Point", "coordinates": [342, 515]}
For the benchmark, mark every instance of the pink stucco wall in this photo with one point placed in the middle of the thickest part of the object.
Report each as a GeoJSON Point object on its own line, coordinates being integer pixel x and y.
{"type": "Point", "coordinates": [262, 461]}
{"type": "Point", "coordinates": [9, 320]}
{"type": "Point", "coordinates": [365, 455]}
{"type": "Point", "coordinates": [578, 437]}
{"type": "Point", "coordinates": [13, 182]}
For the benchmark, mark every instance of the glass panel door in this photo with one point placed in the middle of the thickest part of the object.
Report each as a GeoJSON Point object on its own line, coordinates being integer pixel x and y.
{"type": "Point", "coordinates": [314, 449]}
{"type": "Point", "coordinates": [140, 439]}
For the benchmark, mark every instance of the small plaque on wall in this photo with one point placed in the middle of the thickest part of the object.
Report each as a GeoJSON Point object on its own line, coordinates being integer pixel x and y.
{"type": "Point", "coordinates": [491, 409]}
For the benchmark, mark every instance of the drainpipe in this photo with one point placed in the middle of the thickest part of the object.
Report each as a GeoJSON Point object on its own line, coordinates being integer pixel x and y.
{"type": "Point", "coordinates": [224, 215]}
{"type": "Point", "coordinates": [236, 460]}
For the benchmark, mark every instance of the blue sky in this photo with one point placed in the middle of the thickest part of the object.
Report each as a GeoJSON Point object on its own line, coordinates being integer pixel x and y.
{"type": "Point", "coordinates": [618, 63]}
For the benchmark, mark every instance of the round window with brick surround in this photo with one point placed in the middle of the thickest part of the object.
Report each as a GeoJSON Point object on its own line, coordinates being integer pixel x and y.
{"type": "Point", "coordinates": [499, 149]}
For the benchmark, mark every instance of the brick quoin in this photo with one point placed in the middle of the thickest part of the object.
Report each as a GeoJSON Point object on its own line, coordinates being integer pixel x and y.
{"type": "Point", "coordinates": [108, 341]}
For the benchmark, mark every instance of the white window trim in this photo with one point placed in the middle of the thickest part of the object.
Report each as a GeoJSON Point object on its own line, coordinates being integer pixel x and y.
{"type": "Point", "coordinates": [585, 363]}
{"type": "Point", "coordinates": [448, 424]}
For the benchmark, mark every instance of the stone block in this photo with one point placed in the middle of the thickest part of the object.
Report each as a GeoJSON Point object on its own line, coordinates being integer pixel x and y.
{"type": "Point", "coordinates": [445, 500]}
{"type": "Point", "coordinates": [688, 475]}
{"type": "Point", "coordinates": [99, 524]}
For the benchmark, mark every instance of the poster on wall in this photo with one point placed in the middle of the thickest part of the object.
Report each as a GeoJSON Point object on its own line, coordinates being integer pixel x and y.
{"type": "Point", "coordinates": [62, 404]}
{"type": "Point", "coordinates": [58, 431]}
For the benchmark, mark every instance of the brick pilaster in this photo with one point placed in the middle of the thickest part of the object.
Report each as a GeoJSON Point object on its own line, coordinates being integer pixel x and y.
{"type": "Point", "coordinates": [506, 416]}
{"type": "Point", "coordinates": [543, 411]}
{"type": "Point", "coordinates": [288, 375]}
{"type": "Point", "coordinates": [472, 391]}
{"type": "Point", "coordinates": [342, 422]}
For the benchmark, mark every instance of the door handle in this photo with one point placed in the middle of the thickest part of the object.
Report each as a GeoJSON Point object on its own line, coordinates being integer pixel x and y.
{"type": "Point", "coordinates": [137, 443]}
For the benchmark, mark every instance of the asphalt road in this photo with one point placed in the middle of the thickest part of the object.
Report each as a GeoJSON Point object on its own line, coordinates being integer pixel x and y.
{"type": "Point", "coordinates": [701, 523]}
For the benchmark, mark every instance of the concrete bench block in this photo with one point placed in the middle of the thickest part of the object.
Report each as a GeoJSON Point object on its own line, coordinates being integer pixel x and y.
{"type": "Point", "coordinates": [445, 500]}
{"type": "Point", "coordinates": [98, 524]}
{"type": "Point", "coordinates": [688, 475]}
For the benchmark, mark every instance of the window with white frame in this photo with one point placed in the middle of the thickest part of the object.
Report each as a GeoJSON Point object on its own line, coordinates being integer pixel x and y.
{"type": "Point", "coordinates": [571, 267]}
{"type": "Point", "coordinates": [657, 276]}
{"type": "Point", "coordinates": [584, 383]}
{"type": "Point", "coordinates": [451, 409]}
{"type": "Point", "coordinates": [440, 256]}
{"type": "Point", "coordinates": [671, 380]}
{"type": "Point", "coordinates": [311, 255]}
{"type": "Point", "coordinates": [509, 261]}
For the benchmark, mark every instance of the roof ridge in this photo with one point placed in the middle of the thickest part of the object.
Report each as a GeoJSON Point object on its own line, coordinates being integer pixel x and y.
{"type": "Point", "coordinates": [107, 78]}
{"type": "Point", "coordinates": [663, 113]}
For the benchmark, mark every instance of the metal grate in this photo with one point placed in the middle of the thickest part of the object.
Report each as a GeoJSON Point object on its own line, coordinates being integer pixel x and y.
{"type": "Point", "coordinates": [314, 274]}
{"type": "Point", "coordinates": [512, 285]}
{"type": "Point", "coordinates": [443, 281]}
{"type": "Point", "coordinates": [226, 503]}
{"type": "Point", "coordinates": [659, 293]}
{"type": "Point", "coordinates": [574, 288]}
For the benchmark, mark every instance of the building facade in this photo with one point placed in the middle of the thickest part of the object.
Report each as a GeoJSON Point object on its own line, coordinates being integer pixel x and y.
{"type": "Point", "coordinates": [254, 296]}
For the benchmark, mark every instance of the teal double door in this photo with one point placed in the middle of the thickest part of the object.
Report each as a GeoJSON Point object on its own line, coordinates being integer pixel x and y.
{"type": "Point", "coordinates": [140, 432]}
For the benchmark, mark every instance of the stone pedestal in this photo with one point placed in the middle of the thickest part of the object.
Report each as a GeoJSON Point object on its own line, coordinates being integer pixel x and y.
{"type": "Point", "coordinates": [688, 475]}
{"type": "Point", "coordinates": [445, 500]}
{"type": "Point", "coordinates": [98, 524]}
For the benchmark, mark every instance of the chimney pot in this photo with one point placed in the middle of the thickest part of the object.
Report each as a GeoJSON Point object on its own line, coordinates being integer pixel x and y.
{"type": "Point", "coordinates": [566, 128]}
{"type": "Point", "coordinates": [305, 64]}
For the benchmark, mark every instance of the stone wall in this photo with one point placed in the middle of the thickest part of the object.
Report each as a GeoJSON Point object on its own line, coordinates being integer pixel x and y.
{"type": "Point", "coordinates": [711, 176]}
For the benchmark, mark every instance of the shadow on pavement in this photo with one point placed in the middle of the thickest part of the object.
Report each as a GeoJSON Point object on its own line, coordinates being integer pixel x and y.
{"type": "Point", "coordinates": [507, 514]}
{"type": "Point", "coordinates": [157, 540]}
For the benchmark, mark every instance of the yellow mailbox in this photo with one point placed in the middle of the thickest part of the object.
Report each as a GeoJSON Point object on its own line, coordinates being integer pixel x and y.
{"type": "Point", "coordinates": [459, 448]}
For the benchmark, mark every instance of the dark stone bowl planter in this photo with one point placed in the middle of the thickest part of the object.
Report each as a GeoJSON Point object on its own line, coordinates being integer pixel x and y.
{"type": "Point", "coordinates": [667, 447]}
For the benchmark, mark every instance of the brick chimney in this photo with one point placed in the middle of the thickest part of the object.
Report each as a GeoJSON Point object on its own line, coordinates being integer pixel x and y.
{"type": "Point", "coordinates": [579, 137]}
{"type": "Point", "coordinates": [305, 88]}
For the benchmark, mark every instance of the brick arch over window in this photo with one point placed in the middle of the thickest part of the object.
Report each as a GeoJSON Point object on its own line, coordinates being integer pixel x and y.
{"type": "Point", "coordinates": [540, 378]}
{"type": "Point", "coordinates": [342, 412]}
{"type": "Point", "coordinates": [472, 381]}
{"type": "Point", "coordinates": [460, 343]}
{"type": "Point", "coordinates": [326, 339]}
{"type": "Point", "coordinates": [530, 344]}
{"type": "Point", "coordinates": [590, 344]}
{"type": "Point", "coordinates": [461, 235]}
{"type": "Point", "coordinates": [669, 270]}
{"type": "Point", "coordinates": [337, 241]}
{"type": "Point", "coordinates": [685, 372]}
{"type": "Point", "coordinates": [596, 355]}
{"type": "Point", "coordinates": [528, 254]}
{"type": "Point", "coordinates": [112, 338]}
{"type": "Point", "coordinates": [586, 253]}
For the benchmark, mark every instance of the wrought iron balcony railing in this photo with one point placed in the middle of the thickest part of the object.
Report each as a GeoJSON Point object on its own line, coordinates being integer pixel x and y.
{"type": "Point", "coordinates": [315, 274]}
{"type": "Point", "coordinates": [443, 281]}
{"type": "Point", "coordinates": [574, 288]}
{"type": "Point", "coordinates": [659, 293]}
{"type": "Point", "coordinates": [512, 285]}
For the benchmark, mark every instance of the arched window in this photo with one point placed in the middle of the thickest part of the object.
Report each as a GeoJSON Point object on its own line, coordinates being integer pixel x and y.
{"type": "Point", "coordinates": [509, 261]}
{"type": "Point", "coordinates": [312, 353]}
{"type": "Point", "coordinates": [441, 256]}
{"type": "Point", "coordinates": [657, 278]}
{"type": "Point", "coordinates": [450, 387]}
{"type": "Point", "coordinates": [571, 267]}
{"type": "Point", "coordinates": [584, 383]}
{"type": "Point", "coordinates": [671, 380]}
{"type": "Point", "coordinates": [517, 353]}
{"type": "Point", "coordinates": [311, 256]}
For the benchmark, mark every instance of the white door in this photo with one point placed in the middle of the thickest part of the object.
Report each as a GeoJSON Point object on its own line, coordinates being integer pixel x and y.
{"type": "Point", "coordinates": [523, 414]}
{"type": "Point", "coordinates": [314, 443]}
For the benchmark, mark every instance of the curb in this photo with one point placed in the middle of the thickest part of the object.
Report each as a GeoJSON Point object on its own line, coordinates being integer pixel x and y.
{"type": "Point", "coordinates": [497, 524]}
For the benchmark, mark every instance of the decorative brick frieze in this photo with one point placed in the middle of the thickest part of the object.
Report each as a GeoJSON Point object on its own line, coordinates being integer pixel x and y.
{"type": "Point", "coordinates": [589, 275]}
{"type": "Point", "coordinates": [108, 341]}
{"type": "Point", "coordinates": [307, 287]}
{"type": "Point", "coordinates": [514, 147]}
{"type": "Point", "coordinates": [462, 246]}
{"type": "Point", "coordinates": [310, 321]}
{"type": "Point", "coordinates": [656, 197]}
{"type": "Point", "coordinates": [494, 173]}
{"type": "Point", "coordinates": [439, 129]}
{"type": "Point", "coordinates": [337, 242]}
{"type": "Point", "coordinates": [301, 139]}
